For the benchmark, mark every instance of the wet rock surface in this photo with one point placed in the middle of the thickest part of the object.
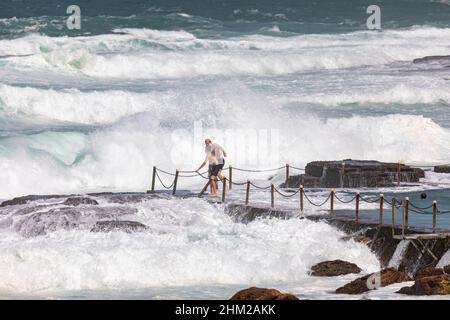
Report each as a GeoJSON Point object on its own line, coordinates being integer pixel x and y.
{"type": "Point", "coordinates": [386, 277]}
{"type": "Point", "coordinates": [353, 174]}
{"type": "Point", "coordinates": [33, 216]}
{"type": "Point", "coordinates": [76, 201]}
{"type": "Point", "coordinates": [440, 60]}
{"type": "Point", "coordinates": [334, 268]}
{"type": "Point", "coordinates": [254, 293]}
{"type": "Point", "coordinates": [66, 218]}
{"type": "Point", "coordinates": [126, 226]}
{"type": "Point", "coordinates": [431, 285]}
{"type": "Point", "coordinates": [442, 169]}
{"type": "Point", "coordinates": [427, 272]}
{"type": "Point", "coordinates": [27, 199]}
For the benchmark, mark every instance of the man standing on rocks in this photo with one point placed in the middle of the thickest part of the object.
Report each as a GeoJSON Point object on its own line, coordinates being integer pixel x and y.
{"type": "Point", "coordinates": [215, 156]}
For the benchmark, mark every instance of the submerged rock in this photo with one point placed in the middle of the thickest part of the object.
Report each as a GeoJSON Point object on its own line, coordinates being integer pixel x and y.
{"type": "Point", "coordinates": [353, 174]}
{"type": "Point", "coordinates": [76, 201]}
{"type": "Point", "coordinates": [387, 277]}
{"type": "Point", "coordinates": [27, 199]}
{"type": "Point", "coordinates": [15, 201]}
{"type": "Point", "coordinates": [126, 226]}
{"type": "Point", "coordinates": [254, 293]}
{"type": "Point", "coordinates": [37, 223]}
{"type": "Point", "coordinates": [334, 268]}
{"type": "Point", "coordinates": [432, 285]}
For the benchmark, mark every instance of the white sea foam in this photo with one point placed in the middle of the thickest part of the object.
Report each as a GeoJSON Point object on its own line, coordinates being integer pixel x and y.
{"type": "Point", "coordinates": [151, 54]}
{"type": "Point", "coordinates": [189, 243]}
{"type": "Point", "coordinates": [421, 90]}
{"type": "Point", "coordinates": [119, 156]}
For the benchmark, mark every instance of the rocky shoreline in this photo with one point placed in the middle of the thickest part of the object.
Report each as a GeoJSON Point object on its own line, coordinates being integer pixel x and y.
{"type": "Point", "coordinates": [353, 174]}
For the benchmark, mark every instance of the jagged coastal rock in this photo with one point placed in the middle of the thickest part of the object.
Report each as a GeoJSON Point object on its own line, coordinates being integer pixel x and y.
{"type": "Point", "coordinates": [387, 277]}
{"type": "Point", "coordinates": [334, 268]}
{"type": "Point", "coordinates": [428, 272]}
{"type": "Point", "coordinates": [76, 201]}
{"type": "Point", "coordinates": [442, 169]}
{"type": "Point", "coordinates": [353, 174]}
{"type": "Point", "coordinates": [442, 60]}
{"type": "Point", "coordinates": [432, 285]}
{"type": "Point", "coordinates": [126, 226]}
{"type": "Point", "coordinates": [254, 293]}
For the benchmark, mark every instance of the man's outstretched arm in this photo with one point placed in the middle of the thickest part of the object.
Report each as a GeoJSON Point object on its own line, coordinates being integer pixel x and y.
{"type": "Point", "coordinates": [203, 164]}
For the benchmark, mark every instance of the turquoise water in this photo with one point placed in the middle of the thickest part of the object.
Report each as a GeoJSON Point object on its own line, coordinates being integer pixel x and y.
{"type": "Point", "coordinates": [418, 217]}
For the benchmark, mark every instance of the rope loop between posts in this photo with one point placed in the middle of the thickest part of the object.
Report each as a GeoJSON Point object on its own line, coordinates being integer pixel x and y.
{"type": "Point", "coordinates": [258, 187]}
{"type": "Point", "coordinates": [315, 204]}
{"type": "Point", "coordinates": [160, 180]}
{"type": "Point", "coordinates": [238, 183]}
{"type": "Point", "coordinates": [168, 173]}
{"type": "Point", "coordinates": [370, 201]}
{"type": "Point", "coordinates": [443, 211]}
{"type": "Point", "coordinates": [420, 208]}
{"type": "Point", "coordinates": [419, 211]}
{"type": "Point", "coordinates": [286, 195]}
{"type": "Point", "coordinates": [398, 203]}
{"type": "Point", "coordinates": [344, 201]}
{"type": "Point", "coordinates": [258, 170]}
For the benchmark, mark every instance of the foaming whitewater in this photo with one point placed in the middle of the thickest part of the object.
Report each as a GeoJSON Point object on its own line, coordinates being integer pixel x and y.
{"type": "Point", "coordinates": [153, 54]}
{"type": "Point", "coordinates": [116, 146]}
{"type": "Point", "coordinates": [93, 110]}
{"type": "Point", "coordinates": [188, 243]}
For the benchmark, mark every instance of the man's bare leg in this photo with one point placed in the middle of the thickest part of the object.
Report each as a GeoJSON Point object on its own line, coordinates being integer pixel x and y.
{"type": "Point", "coordinates": [219, 174]}
{"type": "Point", "coordinates": [213, 187]}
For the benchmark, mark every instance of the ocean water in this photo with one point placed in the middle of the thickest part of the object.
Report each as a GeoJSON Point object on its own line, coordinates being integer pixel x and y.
{"type": "Point", "coordinates": [94, 109]}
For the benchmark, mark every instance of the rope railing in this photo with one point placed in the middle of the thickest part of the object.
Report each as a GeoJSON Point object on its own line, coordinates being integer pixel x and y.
{"type": "Point", "coordinates": [286, 195]}
{"type": "Point", "coordinates": [162, 183]}
{"type": "Point", "coordinates": [315, 204]}
{"type": "Point", "coordinates": [406, 205]}
{"type": "Point", "coordinates": [258, 170]}
{"type": "Point", "coordinates": [344, 201]}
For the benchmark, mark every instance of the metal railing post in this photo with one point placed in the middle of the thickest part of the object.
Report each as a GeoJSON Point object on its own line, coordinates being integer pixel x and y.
{"type": "Point", "coordinates": [332, 201]}
{"type": "Point", "coordinates": [357, 207]}
{"type": "Point", "coordinates": [434, 215]}
{"type": "Point", "coordinates": [286, 184]}
{"type": "Point", "coordinates": [406, 212]}
{"type": "Point", "coordinates": [272, 195]}
{"type": "Point", "coordinates": [153, 178]}
{"type": "Point", "coordinates": [175, 182]}
{"type": "Point", "coordinates": [230, 176]}
{"type": "Point", "coordinates": [247, 193]}
{"type": "Point", "coordinates": [393, 216]}
{"type": "Point", "coordinates": [224, 188]}
{"type": "Point", "coordinates": [381, 208]}
{"type": "Point", "coordinates": [301, 197]}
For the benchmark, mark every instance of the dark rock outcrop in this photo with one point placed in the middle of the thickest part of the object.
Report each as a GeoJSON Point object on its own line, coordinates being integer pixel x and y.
{"type": "Point", "coordinates": [387, 277]}
{"type": "Point", "coordinates": [27, 199]}
{"type": "Point", "coordinates": [432, 285]}
{"type": "Point", "coordinates": [254, 293]}
{"type": "Point", "coordinates": [38, 222]}
{"type": "Point", "coordinates": [442, 60]}
{"type": "Point", "coordinates": [353, 174]}
{"type": "Point", "coordinates": [126, 226]}
{"type": "Point", "coordinates": [428, 272]}
{"type": "Point", "coordinates": [442, 169]}
{"type": "Point", "coordinates": [76, 201]}
{"type": "Point", "coordinates": [334, 268]}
